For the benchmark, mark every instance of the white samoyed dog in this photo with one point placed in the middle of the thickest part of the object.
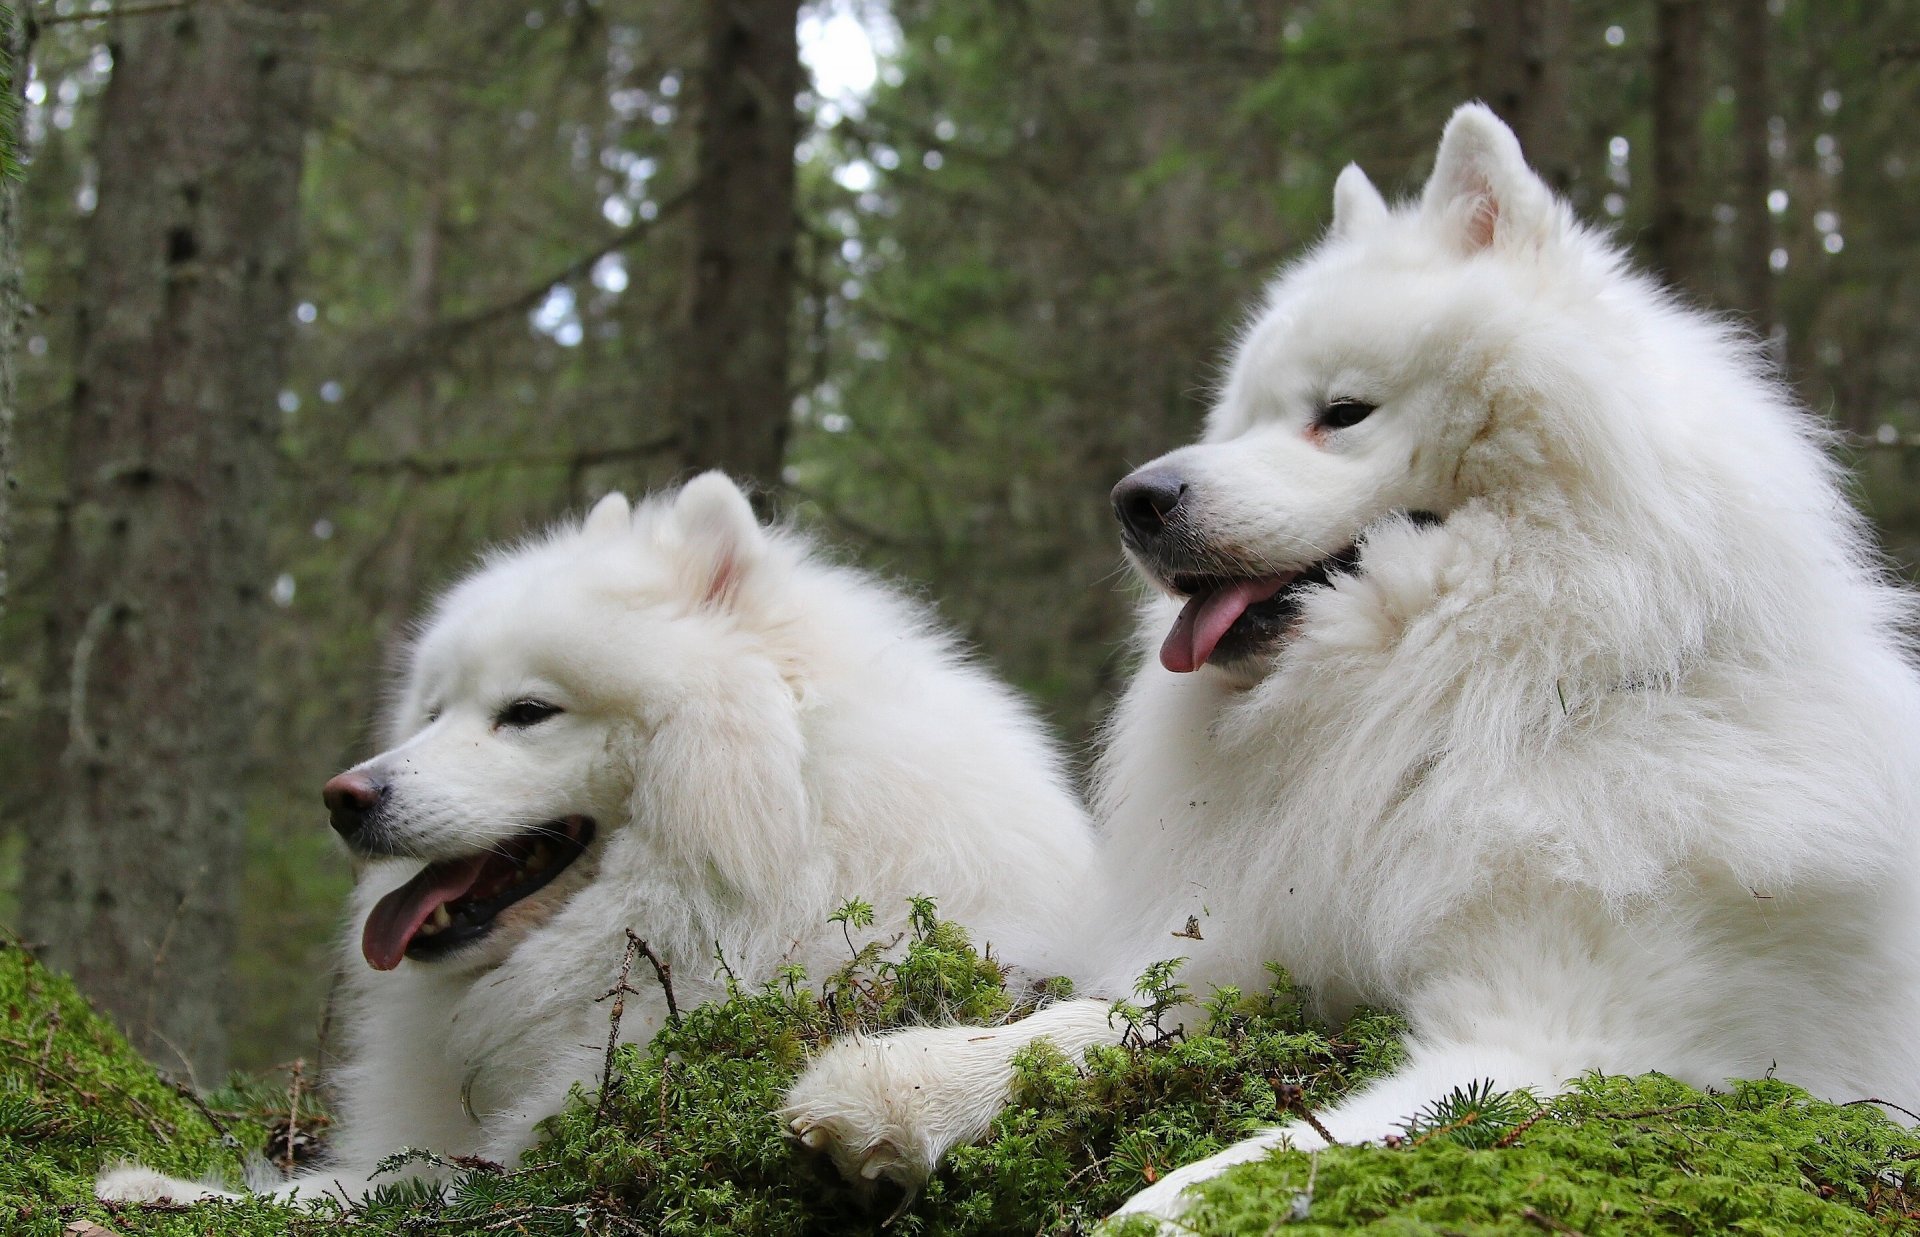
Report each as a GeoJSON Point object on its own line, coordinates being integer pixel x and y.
{"type": "Point", "coordinates": [673, 720]}
{"type": "Point", "coordinates": [1521, 667]}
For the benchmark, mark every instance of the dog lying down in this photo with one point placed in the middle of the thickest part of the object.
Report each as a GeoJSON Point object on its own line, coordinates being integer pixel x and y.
{"type": "Point", "coordinates": [672, 720]}
{"type": "Point", "coordinates": [1521, 666]}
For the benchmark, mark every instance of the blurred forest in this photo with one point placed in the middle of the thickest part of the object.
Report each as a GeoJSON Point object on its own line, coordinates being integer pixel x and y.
{"type": "Point", "coordinates": [450, 268]}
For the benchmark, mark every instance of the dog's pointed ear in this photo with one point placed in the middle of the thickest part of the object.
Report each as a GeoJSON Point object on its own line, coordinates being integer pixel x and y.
{"type": "Point", "coordinates": [1357, 205]}
{"type": "Point", "coordinates": [722, 537]}
{"type": "Point", "coordinates": [1482, 192]}
{"type": "Point", "coordinates": [612, 514]}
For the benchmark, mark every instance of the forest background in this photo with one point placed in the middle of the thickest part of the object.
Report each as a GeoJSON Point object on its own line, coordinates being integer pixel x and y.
{"type": "Point", "coordinates": [313, 299]}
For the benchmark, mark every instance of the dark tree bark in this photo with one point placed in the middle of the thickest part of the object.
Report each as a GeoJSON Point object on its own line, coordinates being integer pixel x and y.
{"type": "Point", "coordinates": [1676, 240]}
{"type": "Point", "coordinates": [130, 882]}
{"type": "Point", "coordinates": [1753, 227]}
{"type": "Point", "coordinates": [730, 384]}
{"type": "Point", "coordinates": [1519, 69]}
{"type": "Point", "coordinates": [13, 61]}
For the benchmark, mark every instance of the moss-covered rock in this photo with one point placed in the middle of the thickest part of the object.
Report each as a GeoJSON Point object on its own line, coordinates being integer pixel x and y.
{"type": "Point", "coordinates": [684, 1141]}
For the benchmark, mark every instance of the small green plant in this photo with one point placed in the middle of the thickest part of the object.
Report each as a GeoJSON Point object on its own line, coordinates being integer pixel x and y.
{"type": "Point", "coordinates": [1475, 1115]}
{"type": "Point", "coordinates": [853, 913]}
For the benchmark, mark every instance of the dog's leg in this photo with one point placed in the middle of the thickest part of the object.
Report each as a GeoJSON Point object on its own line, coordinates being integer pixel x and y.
{"type": "Point", "coordinates": [133, 1183]}
{"type": "Point", "coordinates": [1375, 1111]}
{"type": "Point", "coordinates": [892, 1105]}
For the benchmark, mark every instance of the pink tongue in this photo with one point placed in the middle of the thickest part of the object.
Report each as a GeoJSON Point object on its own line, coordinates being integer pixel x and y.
{"type": "Point", "coordinates": [1206, 617]}
{"type": "Point", "coordinates": [395, 918]}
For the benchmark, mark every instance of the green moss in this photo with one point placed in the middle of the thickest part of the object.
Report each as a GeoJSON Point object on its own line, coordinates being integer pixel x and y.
{"type": "Point", "coordinates": [1616, 1156]}
{"type": "Point", "coordinates": [74, 1094]}
{"type": "Point", "coordinates": [684, 1141]}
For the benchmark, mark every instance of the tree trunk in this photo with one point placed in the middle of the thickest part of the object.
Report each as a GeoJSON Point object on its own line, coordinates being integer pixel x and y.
{"type": "Point", "coordinates": [1519, 69]}
{"type": "Point", "coordinates": [130, 882]}
{"type": "Point", "coordinates": [1676, 241]}
{"type": "Point", "coordinates": [13, 63]}
{"type": "Point", "coordinates": [1753, 234]}
{"type": "Point", "coordinates": [730, 381]}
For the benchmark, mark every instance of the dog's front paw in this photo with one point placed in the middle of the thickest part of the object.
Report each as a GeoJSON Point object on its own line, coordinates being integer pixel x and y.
{"type": "Point", "coordinates": [131, 1183]}
{"type": "Point", "coordinates": [860, 1107]}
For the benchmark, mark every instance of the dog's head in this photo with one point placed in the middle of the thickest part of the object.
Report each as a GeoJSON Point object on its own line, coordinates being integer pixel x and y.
{"type": "Point", "coordinates": [1354, 396]}
{"type": "Point", "coordinates": [617, 675]}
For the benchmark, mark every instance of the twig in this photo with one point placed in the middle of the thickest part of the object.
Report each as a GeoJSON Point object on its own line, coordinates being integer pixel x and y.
{"type": "Point", "coordinates": [192, 1096]}
{"type": "Point", "coordinates": [1440, 1131]}
{"type": "Point", "coordinates": [1293, 1099]}
{"type": "Point", "coordinates": [1884, 1104]}
{"type": "Point", "coordinates": [720, 956]}
{"type": "Point", "coordinates": [1513, 1135]}
{"type": "Point", "coordinates": [619, 994]}
{"type": "Point", "coordinates": [1306, 1114]}
{"type": "Point", "coordinates": [663, 971]}
{"type": "Point", "coordinates": [1548, 1222]}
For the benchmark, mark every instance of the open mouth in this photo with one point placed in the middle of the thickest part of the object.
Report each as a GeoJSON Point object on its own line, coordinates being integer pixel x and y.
{"type": "Point", "coordinates": [1230, 617]}
{"type": "Point", "coordinates": [454, 902]}
{"type": "Point", "coordinates": [1227, 617]}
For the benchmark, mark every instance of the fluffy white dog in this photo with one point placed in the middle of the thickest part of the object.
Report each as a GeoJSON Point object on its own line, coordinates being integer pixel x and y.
{"type": "Point", "coordinates": [1521, 667]}
{"type": "Point", "coordinates": [670, 720]}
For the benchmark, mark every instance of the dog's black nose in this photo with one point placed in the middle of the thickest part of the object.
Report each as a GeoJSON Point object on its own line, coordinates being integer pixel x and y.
{"type": "Point", "coordinates": [350, 797]}
{"type": "Point", "coordinates": [1144, 501]}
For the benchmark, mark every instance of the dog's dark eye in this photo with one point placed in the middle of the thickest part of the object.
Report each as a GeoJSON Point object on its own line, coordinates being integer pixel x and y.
{"type": "Point", "coordinates": [1341, 413]}
{"type": "Point", "coordinates": [523, 713]}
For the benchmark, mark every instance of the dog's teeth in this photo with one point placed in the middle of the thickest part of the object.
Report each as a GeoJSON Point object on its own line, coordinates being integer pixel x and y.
{"type": "Point", "coordinates": [437, 921]}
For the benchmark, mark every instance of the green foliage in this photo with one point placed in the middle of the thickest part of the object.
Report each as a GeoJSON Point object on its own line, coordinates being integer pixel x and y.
{"type": "Point", "coordinates": [1472, 1116]}
{"type": "Point", "coordinates": [685, 1142]}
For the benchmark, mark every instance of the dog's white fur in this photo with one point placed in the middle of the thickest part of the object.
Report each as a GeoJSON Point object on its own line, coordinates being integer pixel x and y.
{"type": "Point", "coordinates": [1617, 768]}
{"type": "Point", "coordinates": [759, 734]}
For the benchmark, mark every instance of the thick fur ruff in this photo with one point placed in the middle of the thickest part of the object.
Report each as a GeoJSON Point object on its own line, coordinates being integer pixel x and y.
{"type": "Point", "coordinates": [758, 733]}
{"type": "Point", "coordinates": [1615, 766]}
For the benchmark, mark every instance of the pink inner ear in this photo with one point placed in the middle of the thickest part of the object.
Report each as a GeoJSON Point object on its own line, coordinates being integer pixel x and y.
{"type": "Point", "coordinates": [726, 574]}
{"type": "Point", "coordinates": [1483, 220]}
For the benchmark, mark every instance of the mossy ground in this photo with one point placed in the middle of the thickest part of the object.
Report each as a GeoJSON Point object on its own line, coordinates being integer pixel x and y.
{"type": "Point", "coordinates": [684, 1141]}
